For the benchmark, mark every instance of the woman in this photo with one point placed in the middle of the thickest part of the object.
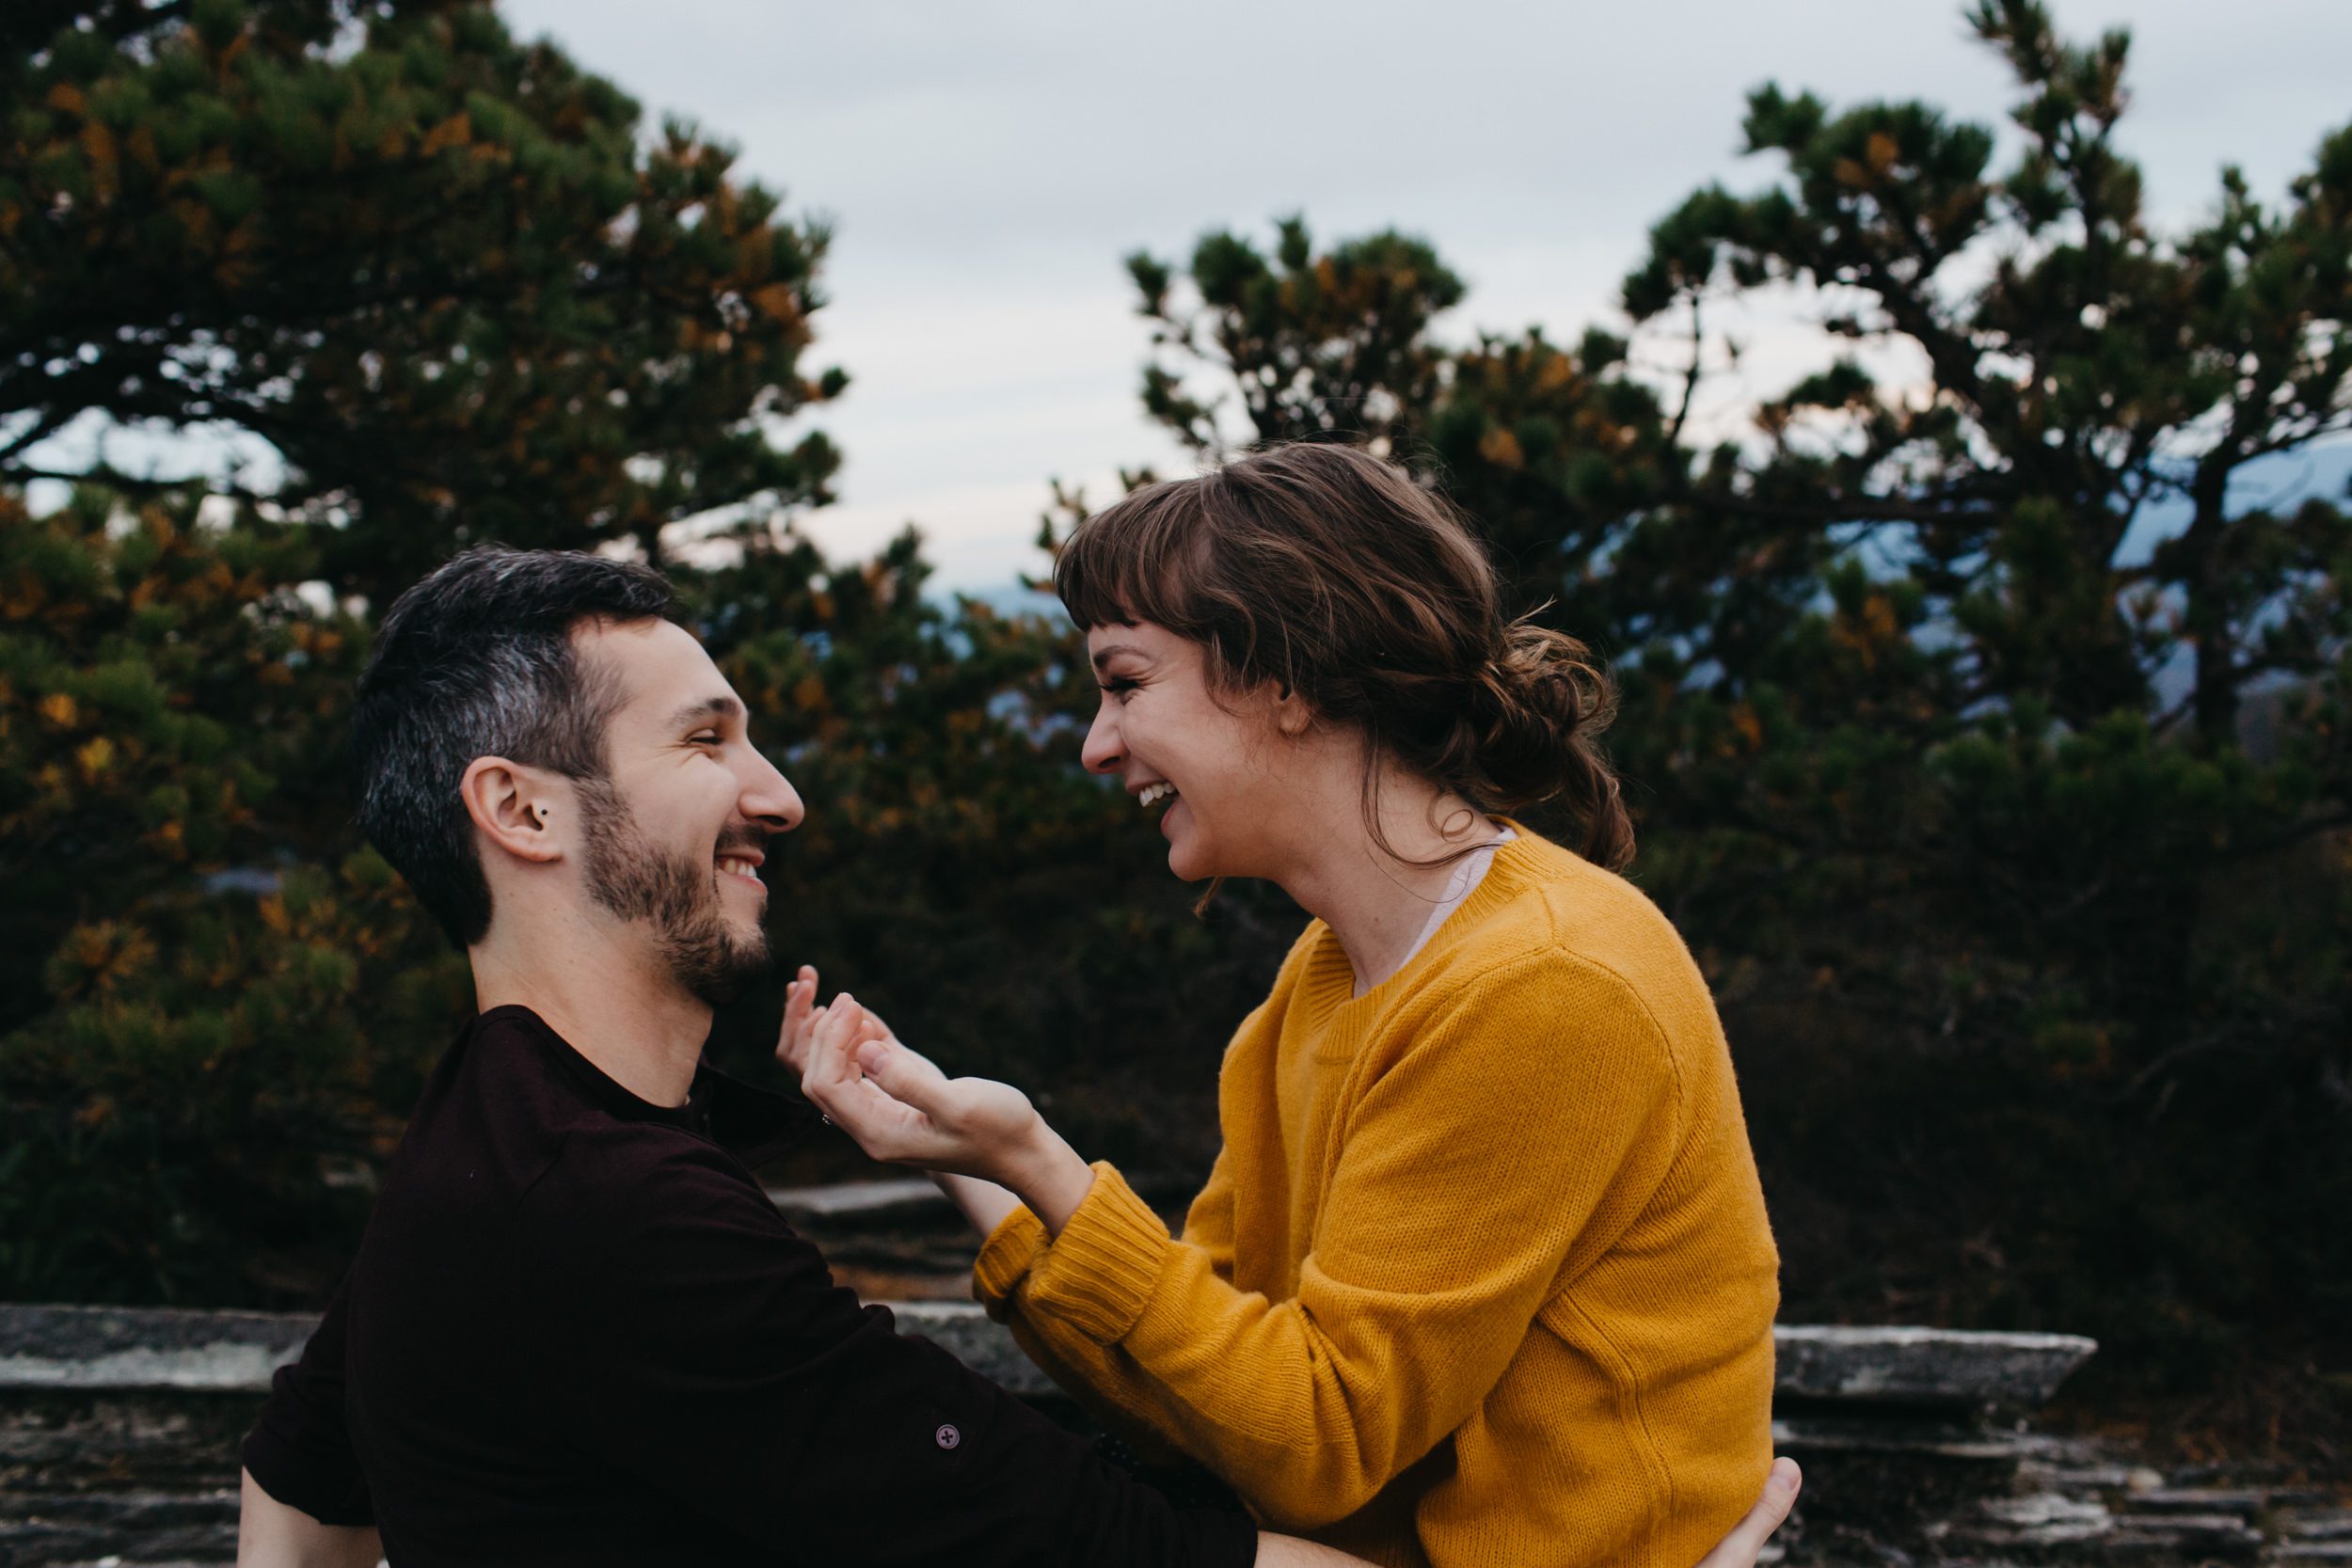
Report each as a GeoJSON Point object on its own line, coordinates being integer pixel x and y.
{"type": "Point", "coordinates": [1482, 1274]}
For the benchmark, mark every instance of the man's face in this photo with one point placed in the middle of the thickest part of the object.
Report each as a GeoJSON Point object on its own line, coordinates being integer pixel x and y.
{"type": "Point", "coordinates": [676, 834]}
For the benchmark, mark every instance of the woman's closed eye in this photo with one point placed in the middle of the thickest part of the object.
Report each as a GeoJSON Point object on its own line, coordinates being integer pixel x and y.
{"type": "Point", "coordinates": [1119, 685]}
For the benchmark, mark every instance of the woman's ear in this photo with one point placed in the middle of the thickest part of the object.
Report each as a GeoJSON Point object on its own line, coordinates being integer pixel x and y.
{"type": "Point", "coordinates": [1292, 716]}
{"type": "Point", "coordinates": [521, 810]}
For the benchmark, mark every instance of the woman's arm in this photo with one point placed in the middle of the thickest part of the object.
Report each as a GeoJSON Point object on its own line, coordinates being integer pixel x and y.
{"type": "Point", "coordinates": [984, 1203]}
{"type": "Point", "coordinates": [1466, 1178]}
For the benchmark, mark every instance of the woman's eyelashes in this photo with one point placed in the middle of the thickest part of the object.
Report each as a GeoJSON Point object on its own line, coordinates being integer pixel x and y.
{"type": "Point", "coordinates": [1119, 685]}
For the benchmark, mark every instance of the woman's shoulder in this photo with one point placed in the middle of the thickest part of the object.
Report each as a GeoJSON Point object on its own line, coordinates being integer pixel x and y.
{"type": "Point", "coordinates": [1550, 915]}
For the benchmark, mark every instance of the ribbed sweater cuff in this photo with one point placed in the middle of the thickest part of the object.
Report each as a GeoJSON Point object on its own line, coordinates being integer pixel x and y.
{"type": "Point", "coordinates": [1006, 1258]}
{"type": "Point", "coordinates": [1099, 1274]}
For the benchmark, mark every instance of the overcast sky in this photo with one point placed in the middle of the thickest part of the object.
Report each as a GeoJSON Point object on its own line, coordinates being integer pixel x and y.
{"type": "Point", "coordinates": [987, 164]}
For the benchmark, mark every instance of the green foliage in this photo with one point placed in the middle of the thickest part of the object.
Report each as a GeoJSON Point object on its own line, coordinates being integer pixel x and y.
{"type": "Point", "coordinates": [2056, 790]}
{"type": "Point", "coordinates": [207, 993]}
{"type": "Point", "coordinates": [427, 240]}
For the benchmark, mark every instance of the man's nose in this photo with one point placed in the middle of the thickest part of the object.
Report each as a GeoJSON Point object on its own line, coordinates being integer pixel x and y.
{"type": "Point", "coordinates": [769, 798]}
{"type": "Point", "coordinates": [1103, 752]}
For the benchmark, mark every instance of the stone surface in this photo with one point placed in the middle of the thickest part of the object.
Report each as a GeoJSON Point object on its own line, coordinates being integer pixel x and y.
{"type": "Point", "coordinates": [986, 1347]}
{"type": "Point", "coordinates": [2240, 1500]}
{"type": "Point", "coordinates": [136, 1526]}
{"type": "Point", "coordinates": [877, 1202]}
{"type": "Point", "coordinates": [119, 1432]}
{"type": "Point", "coordinates": [1928, 1367]}
{"type": "Point", "coordinates": [93, 1347]}
{"type": "Point", "coordinates": [75, 1440]}
{"type": "Point", "coordinates": [2320, 1524]}
{"type": "Point", "coordinates": [108, 1347]}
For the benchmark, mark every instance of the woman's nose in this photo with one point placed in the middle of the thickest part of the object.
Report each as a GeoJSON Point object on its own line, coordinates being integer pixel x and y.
{"type": "Point", "coordinates": [1101, 753]}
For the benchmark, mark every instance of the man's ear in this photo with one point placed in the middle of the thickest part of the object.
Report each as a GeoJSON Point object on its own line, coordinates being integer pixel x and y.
{"type": "Point", "coordinates": [522, 810]}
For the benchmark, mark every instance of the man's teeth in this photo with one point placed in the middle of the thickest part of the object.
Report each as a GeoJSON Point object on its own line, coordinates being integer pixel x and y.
{"type": "Point", "coordinates": [740, 868]}
{"type": "Point", "coordinates": [1152, 795]}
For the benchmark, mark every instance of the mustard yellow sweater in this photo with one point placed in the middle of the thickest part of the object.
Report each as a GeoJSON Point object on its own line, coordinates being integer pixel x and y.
{"type": "Point", "coordinates": [1481, 1275]}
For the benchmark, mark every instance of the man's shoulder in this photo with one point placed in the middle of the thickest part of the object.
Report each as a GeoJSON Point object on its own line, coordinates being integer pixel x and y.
{"type": "Point", "coordinates": [607, 1173]}
{"type": "Point", "coordinates": [505, 1130]}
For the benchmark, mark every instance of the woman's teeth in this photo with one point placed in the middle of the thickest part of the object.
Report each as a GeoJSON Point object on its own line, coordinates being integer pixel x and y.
{"type": "Point", "coordinates": [1151, 795]}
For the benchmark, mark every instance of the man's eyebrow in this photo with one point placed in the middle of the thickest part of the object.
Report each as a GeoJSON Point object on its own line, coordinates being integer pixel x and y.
{"type": "Point", "coordinates": [707, 709]}
{"type": "Point", "coordinates": [1104, 655]}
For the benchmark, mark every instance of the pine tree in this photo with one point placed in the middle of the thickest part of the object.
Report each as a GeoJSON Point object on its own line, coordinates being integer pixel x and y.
{"type": "Point", "coordinates": [2030, 787]}
{"type": "Point", "coordinates": [1987, 737]}
{"type": "Point", "coordinates": [427, 265]}
{"type": "Point", "coordinates": [213, 995]}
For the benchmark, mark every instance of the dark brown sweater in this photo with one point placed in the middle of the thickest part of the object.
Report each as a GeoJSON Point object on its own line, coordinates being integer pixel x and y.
{"type": "Point", "coordinates": [578, 1333]}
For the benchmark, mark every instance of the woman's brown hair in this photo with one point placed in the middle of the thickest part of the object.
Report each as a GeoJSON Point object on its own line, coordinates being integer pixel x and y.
{"type": "Point", "coordinates": [1333, 573]}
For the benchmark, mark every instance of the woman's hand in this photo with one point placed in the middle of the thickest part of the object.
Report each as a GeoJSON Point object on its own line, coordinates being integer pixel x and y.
{"type": "Point", "coordinates": [904, 1111]}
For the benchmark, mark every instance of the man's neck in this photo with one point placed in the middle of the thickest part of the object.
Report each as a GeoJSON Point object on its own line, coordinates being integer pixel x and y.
{"type": "Point", "coordinates": [640, 1028]}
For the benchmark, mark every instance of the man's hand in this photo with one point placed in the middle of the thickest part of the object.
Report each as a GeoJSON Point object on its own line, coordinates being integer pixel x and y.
{"type": "Point", "coordinates": [270, 1534]}
{"type": "Point", "coordinates": [800, 1012]}
{"type": "Point", "coordinates": [1739, 1549]}
{"type": "Point", "coordinates": [904, 1111]}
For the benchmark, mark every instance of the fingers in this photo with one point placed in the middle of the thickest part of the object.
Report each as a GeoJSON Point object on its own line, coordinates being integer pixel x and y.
{"type": "Point", "coordinates": [835, 1084]}
{"type": "Point", "coordinates": [1740, 1548]}
{"type": "Point", "coordinates": [836, 1032]}
{"type": "Point", "coordinates": [833, 1032]}
{"type": "Point", "coordinates": [800, 1002]}
{"type": "Point", "coordinates": [904, 1075]}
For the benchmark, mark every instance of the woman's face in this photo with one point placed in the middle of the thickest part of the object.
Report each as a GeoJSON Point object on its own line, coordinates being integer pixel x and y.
{"type": "Point", "coordinates": [1208, 768]}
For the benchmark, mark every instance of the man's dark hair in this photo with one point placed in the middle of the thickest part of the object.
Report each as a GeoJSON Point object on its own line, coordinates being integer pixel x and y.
{"type": "Point", "coordinates": [477, 660]}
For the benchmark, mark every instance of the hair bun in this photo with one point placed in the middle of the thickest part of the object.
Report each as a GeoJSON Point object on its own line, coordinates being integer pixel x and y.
{"type": "Point", "coordinates": [1537, 707]}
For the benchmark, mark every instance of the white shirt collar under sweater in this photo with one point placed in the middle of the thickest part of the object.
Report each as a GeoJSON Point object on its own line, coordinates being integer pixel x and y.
{"type": "Point", "coordinates": [1467, 872]}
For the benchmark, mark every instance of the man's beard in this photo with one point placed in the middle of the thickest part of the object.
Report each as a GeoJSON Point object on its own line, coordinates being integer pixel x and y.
{"type": "Point", "coordinates": [677, 896]}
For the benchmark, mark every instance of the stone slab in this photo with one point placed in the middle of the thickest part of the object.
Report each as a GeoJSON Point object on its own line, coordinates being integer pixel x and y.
{"type": "Point", "coordinates": [132, 1348]}
{"type": "Point", "coordinates": [988, 1348]}
{"type": "Point", "coordinates": [111, 1347]}
{"type": "Point", "coordinates": [874, 1201]}
{"type": "Point", "coordinates": [1930, 1367]}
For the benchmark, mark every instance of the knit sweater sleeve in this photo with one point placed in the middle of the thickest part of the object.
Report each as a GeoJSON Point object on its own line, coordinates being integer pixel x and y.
{"type": "Point", "coordinates": [1209, 1222]}
{"type": "Point", "coordinates": [1516, 1134]}
{"type": "Point", "coordinates": [1136, 1406]}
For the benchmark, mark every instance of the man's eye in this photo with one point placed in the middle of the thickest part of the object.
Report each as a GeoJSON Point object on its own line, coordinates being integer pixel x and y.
{"type": "Point", "coordinates": [708, 738]}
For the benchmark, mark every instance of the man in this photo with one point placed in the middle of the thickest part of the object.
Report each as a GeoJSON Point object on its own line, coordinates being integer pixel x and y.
{"type": "Point", "coordinates": [576, 1331]}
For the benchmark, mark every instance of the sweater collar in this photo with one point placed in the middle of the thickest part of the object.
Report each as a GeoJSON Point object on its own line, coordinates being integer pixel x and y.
{"type": "Point", "coordinates": [752, 1124]}
{"type": "Point", "coordinates": [1327, 982]}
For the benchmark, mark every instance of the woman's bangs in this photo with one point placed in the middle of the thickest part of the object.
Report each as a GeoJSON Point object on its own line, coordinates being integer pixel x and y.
{"type": "Point", "coordinates": [1128, 564]}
